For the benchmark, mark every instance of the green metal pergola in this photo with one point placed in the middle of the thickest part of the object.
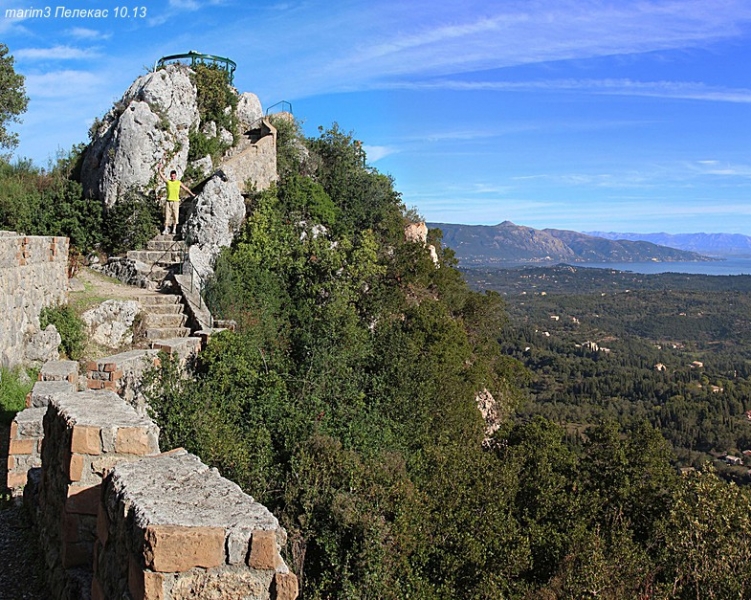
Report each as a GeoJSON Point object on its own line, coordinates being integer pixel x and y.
{"type": "Point", "coordinates": [194, 58]}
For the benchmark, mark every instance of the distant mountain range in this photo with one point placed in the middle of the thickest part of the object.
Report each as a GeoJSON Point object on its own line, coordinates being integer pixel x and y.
{"type": "Point", "coordinates": [713, 244]}
{"type": "Point", "coordinates": [507, 243]}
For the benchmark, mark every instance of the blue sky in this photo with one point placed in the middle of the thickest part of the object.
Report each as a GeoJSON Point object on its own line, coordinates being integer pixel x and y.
{"type": "Point", "coordinates": [613, 115]}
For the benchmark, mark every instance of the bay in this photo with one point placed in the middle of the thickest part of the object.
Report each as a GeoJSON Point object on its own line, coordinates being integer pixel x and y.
{"type": "Point", "coordinates": [729, 266]}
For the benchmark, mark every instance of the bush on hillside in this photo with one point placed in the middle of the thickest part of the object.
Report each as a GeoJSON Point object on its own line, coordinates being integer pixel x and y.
{"type": "Point", "coordinates": [131, 222]}
{"type": "Point", "coordinates": [69, 325]}
{"type": "Point", "coordinates": [15, 384]}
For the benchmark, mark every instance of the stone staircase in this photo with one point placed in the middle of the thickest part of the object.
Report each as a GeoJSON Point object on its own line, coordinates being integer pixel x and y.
{"type": "Point", "coordinates": [165, 317]}
{"type": "Point", "coordinates": [163, 254]}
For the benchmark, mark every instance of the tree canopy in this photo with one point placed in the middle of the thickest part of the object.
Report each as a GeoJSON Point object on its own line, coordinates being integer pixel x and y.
{"type": "Point", "coordinates": [13, 99]}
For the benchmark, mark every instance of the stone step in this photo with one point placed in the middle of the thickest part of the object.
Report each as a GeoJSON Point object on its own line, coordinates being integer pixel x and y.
{"type": "Point", "coordinates": [151, 257]}
{"type": "Point", "coordinates": [160, 333]}
{"type": "Point", "coordinates": [158, 274]}
{"type": "Point", "coordinates": [158, 300]}
{"type": "Point", "coordinates": [157, 245]}
{"type": "Point", "coordinates": [164, 321]}
{"type": "Point", "coordinates": [164, 309]}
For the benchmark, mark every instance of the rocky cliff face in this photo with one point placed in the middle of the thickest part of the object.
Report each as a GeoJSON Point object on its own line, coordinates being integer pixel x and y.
{"type": "Point", "coordinates": [148, 125]}
{"type": "Point", "coordinates": [151, 124]}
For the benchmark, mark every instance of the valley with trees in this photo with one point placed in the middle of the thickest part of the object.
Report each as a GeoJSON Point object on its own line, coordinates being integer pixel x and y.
{"type": "Point", "coordinates": [670, 349]}
{"type": "Point", "coordinates": [345, 399]}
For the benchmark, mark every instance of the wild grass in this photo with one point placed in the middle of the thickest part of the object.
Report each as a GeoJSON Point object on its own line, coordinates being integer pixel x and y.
{"type": "Point", "coordinates": [14, 385]}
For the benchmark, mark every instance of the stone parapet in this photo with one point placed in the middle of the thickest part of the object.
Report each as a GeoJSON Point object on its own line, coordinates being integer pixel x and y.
{"type": "Point", "coordinates": [24, 450]}
{"type": "Point", "coordinates": [185, 349]}
{"type": "Point", "coordinates": [33, 275]}
{"type": "Point", "coordinates": [60, 370]}
{"type": "Point", "coordinates": [85, 435]}
{"type": "Point", "coordinates": [169, 526]}
{"type": "Point", "coordinates": [44, 391]}
{"type": "Point", "coordinates": [123, 374]}
{"type": "Point", "coordinates": [27, 431]}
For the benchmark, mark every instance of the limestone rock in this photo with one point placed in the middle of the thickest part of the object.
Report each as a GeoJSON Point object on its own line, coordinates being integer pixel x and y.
{"type": "Point", "coordinates": [148, 125]}
{"type": "Point", "coordinates": [248, 111]}
{"type": "Point", "coordinates": [43, 346]}
{"type": "Point", "coordinates": [200, 261]}
{"type": "Point", "coordinates": [127, 270]}
{"type": "Point", "coordinates": [217, 216]}
{"type": "Point", "coordinates": [416, 232]}
{"type": "Point", "coordinates": [491, 414]}
{"type": "Point", "coordinates": [204, 166]}
{"type": "Point", "coordinates": [110, 324]}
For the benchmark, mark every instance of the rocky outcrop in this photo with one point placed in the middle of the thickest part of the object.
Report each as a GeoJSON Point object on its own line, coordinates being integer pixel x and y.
{"type": "Point", "coordinates": [149, 125]}
{"type": "Point", "coordinates": [418, 233]}
{"type": "Point", "coordinates": [111, 323]}
{"type": "Point", "coordinates": [218, 214]}
{"type": "Point", "coordinates": [43, 346]}
{"type": "Point", "coordinates": [491, 414]}
{"type": "Point", "coordinates": [249, 111]}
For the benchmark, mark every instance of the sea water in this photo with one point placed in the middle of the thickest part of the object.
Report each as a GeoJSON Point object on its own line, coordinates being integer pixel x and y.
{"type": "Point", "coordinates": [728, 266]}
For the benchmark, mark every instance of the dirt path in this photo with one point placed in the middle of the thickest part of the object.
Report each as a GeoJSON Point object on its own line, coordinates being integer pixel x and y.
{"type": "Point", "coordinates": [21, 565]}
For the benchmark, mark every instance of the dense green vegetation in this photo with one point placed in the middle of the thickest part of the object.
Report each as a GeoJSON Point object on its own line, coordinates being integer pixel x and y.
{"type": "Point", "coordinates": [344, 401]}
{"type": "Point", "coordinates": [671, 350]}
{"type": "Point", "coordinates": [38, 201]}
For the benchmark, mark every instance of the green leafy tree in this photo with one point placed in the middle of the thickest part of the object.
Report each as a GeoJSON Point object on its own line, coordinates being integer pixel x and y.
{"type": "Point", "coordinates": [707, 540]}
{"type": "Point", "coordinates": [13, 99]}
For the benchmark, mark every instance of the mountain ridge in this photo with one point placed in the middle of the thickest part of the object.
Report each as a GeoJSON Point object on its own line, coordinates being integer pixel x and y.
{"type": "Point", "coordinates": [714, 244]}
{"type": "Point", "coordinates": [508, 243]}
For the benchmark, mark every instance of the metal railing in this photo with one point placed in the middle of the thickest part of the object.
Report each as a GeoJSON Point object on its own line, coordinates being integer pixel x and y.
{"type": "Point", "coordinates": [163, 254]}
{"type": "Point", "coordinates": [197, 283]}
{"type": "Point", "coordinates": [197, 58]}
{"type": "Point", "coordinates": [287, 107]}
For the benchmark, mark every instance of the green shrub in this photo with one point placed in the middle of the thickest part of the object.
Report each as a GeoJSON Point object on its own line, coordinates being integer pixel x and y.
{"type": "Point", "coordinates": [215, 95]}
{"type": "Point", "coordinates": [70, 327]}
{"type": "Point", "coordinates": [14, 385]}
{"type": "Point", "coordinates": [200, 145]}
{"type": "Point", "coordinates": [131, 222]}
{"type": "Point", "coordinates": [49, 202]}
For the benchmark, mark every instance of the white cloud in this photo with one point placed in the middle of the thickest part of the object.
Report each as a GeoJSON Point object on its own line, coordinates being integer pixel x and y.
{"type": "Point", "coordinates": [62, 84]}
{"type": "Point", "coordinates": [619, 87]}
{"type": "Point", "coordinates": [376, 153]}
{"type": "Point", "coordinates": [455, 40]}
{"type": "Point", "coordinates": [55, 52]}
{"type": "Point", "coordinates": [85, 33]}
{"type": "Point", "coordinates": [193, 5]}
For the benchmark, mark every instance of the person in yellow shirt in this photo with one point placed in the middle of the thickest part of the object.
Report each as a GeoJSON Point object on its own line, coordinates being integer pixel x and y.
{"type": "Point", "coordinates": [172, 209]}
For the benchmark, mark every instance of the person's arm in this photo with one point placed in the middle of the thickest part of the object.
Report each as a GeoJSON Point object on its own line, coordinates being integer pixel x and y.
{"type": "Point", "coordinates": [187, 189]}
{"type": "Point", "coordinates": [160, 172]}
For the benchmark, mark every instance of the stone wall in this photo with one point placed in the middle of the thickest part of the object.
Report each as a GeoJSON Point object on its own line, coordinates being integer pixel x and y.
{"type": "Point", "coordinates": [33, 274]}
{"type": "Point", "coordinates": [119, 519]}
{"type": "Point", "coordinates": [171, 528]}
{"type": "Point", "coordinates": [26, 433]}
{"type": "Point", "coordinates": [254, 161]}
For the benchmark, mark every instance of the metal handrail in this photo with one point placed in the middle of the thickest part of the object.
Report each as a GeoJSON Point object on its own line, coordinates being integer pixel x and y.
{"type": "Point", "coordinates": [163, 254]}
{"type": "Point", "coordinates": [284, 102]}
{"type": "Point", "coordinates": [223, 63]}
{"type": "Point", "coordinates": [201, 286]}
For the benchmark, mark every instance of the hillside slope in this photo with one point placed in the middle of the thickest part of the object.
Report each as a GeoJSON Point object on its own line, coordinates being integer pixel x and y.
{"type": "Point", "coordinates": [485, 245]}
{"type": "Point", "coordinates": [714, 244]}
